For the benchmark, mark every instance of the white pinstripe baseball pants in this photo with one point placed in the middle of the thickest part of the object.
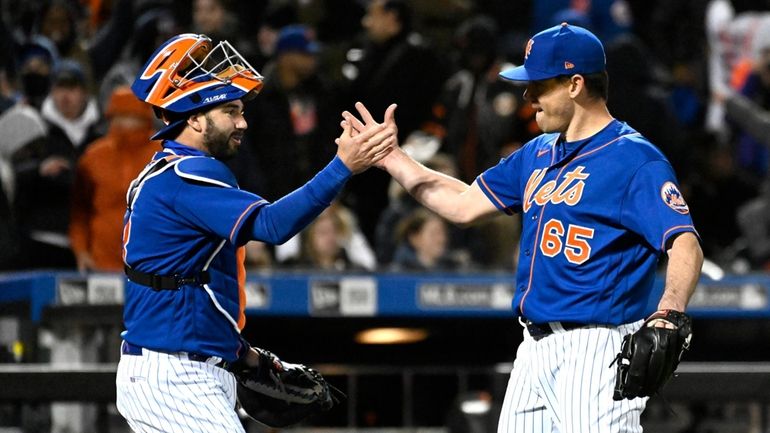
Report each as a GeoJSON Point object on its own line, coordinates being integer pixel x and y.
{"type": "Point", "coordinates": [160, 392]}
{"type": "Point", "coordinates": [563, 384]}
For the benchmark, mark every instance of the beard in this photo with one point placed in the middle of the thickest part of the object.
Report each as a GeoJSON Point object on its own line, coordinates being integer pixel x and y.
{"type": "Point", "coordinates": [218, 142]}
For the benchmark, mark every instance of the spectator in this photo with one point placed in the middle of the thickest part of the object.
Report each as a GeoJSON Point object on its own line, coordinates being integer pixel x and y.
{"type": "Point", "coordinates": [292, 125]}
{"type": "Point", "coordinates": [479, 117]}
{"type": "Point", "coordinates": [488, 244]}
{"type": "Point", "coordinates": [42, 167]}
{"type": "Point", "coordinates": [6, 89]}
{"type": "Point", "coordinates": [103, 175]}
{"type": "Point", "coordinates": [37, 60]}
{"type": "Point", "coordinates": [151, 28]}
{"type": "Point", "coordinates": [276, 16]}
{"type": "Point", "coordinates": [752, 155]}
{"type": "Point", "coordinates": [106, 46]}
{"type": "Point", "coordinates": [391, 64]}
{"type": "Point", "coordinates": [215, 19]}
{"type": "Point", "coordinates": [71, 108]}
{"type": "Point", "coordinates": [606, 18]}
{"type": "Point", "coordinates": [19, 126]}
{"type": "Point", "coordinates": [734, 37]}
{"type": "Point", "coordinates": [259, 256]}
{"type": "Point", "coordinates": [323, 243]}
{"type": "Point", "coordinates": [356, 247]}
{"type": "Point", "coordinates": [753, 122]}
{"type": "Point", "coordinates": [401, 205]}
{"type": "Point", "coordinates": [754, 223]}
{"type": "Point", "coordinates": [59, 22]}
{"type": "Point", "coordinates": [7, 68]}
{"type": "Point", "coordinates": [718, 189]}
{"type": "Point", "coordinates": [641, 100]}
{"type": "Point", "coordinates": [423, 244]}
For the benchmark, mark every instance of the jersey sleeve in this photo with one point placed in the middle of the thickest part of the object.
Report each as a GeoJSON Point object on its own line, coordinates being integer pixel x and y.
{"type": "Point", "coordinates": [654, 206]}
{"type": "Point", "coordinates": [217, 209]}
{"type": "Point", "coordinates": [501, 183]}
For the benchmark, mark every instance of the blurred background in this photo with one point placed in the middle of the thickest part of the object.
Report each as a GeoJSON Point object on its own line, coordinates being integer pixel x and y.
{"type": "Point", "coordinates": [408, 315]}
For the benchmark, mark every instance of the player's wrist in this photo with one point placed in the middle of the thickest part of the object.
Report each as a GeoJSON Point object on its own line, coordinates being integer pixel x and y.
{"type": "Point", "coordinates": [251, 358]}
{"type": "Point", "coordinates": [666, 318]}
{"type": "Point", "coordinates": [339, 168]}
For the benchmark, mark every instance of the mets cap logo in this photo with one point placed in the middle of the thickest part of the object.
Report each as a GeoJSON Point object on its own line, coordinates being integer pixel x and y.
{"type": "Point", "coordinates": [673, 198]}
{"type": "Point", "coordinates": [528, 49]}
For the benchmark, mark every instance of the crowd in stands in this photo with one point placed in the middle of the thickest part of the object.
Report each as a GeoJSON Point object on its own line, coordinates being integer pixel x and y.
{"type": "Point", "coordinates": [693, 76]}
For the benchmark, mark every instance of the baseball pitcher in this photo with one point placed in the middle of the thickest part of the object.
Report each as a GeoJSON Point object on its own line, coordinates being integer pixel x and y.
{"type": "Point", "coordinates": [600, 205]}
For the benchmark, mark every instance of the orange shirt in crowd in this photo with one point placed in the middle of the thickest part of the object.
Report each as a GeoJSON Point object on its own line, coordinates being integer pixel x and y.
{"type": "Point", "coordinates": [104, 173]}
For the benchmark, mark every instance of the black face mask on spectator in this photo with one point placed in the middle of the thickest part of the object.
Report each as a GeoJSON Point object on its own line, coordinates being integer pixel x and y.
{"type": "Point", "coordinates": [35, 87]}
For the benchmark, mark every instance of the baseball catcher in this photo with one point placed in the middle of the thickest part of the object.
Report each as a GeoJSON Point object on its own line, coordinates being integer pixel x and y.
{"type": "Point", "coordinates": [278, 394]}
{"type": "Point", "coordinates": [185, 229]}
{"type": "Point", "coordinates": [649, 357]}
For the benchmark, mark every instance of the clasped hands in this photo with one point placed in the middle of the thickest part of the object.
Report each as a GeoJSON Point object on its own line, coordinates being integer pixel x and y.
{"type": "Point", "coordinates": [365, 142]}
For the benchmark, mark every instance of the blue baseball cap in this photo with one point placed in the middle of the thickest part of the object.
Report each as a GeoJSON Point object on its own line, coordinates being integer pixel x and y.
{"type": "Point", "coordinates": [560, 50]}
{"type": "Point", "coordinates": [69, 73]}
{"type": "Point", "coordinates": [296, 38]}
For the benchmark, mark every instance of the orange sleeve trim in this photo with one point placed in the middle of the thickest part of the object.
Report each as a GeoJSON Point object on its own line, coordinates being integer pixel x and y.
{"type": "Point", "coordinates": [676, 228]}
{"type": "Point", "coordinates": [241, 217]}
{"type": "Point", "coordinates": [497, 199]}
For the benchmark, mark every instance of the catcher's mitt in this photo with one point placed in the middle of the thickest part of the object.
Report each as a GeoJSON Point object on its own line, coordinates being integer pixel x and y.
{"type": "Point", "coordinates": [279, 394]}
{"type": "Point", "coordinates": [649, 357]}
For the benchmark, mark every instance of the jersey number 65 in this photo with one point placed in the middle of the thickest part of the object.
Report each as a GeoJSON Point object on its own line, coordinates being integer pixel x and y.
{"type": "Point", "coordinates": [575, 246]}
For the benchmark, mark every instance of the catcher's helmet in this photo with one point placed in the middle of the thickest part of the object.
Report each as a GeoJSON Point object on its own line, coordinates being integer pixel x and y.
{"type": "Point", "coordinates": [187, 73]}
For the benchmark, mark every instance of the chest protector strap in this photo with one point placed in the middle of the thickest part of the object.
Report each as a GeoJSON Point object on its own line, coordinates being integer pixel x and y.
{"type": "Point", "coordinates": [153, 168]}
{"type": "Point", "coordinates": [155, 281]}
{"type": "Point", "coordinates": [164, 282]}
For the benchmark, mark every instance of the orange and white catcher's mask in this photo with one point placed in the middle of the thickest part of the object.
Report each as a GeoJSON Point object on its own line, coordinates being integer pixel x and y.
{"type": "Point", "coordinates": [187, 74]}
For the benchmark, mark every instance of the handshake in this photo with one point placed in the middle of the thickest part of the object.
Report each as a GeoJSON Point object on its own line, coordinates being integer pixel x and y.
{"type": "Point", "coordinates": [365, 142]}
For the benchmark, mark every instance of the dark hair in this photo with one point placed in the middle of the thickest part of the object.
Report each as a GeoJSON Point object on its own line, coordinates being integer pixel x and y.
{"type": "Point", "coordinates": [598, 84]}
{"type": "Point", "coordinates": [403, 13]}
{"type": "Point", "coordinates": [413, 223]}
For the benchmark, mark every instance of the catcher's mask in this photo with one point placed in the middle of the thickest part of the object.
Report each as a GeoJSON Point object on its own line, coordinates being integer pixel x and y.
{"type": "Point", "coordinates": [187, 74]}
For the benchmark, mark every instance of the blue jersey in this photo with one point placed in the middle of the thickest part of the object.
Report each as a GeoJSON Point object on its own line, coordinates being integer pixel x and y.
{"type": "Point", "coordinates": [596, 216]}
{"type": "Point", "coordinates": [185, 218]}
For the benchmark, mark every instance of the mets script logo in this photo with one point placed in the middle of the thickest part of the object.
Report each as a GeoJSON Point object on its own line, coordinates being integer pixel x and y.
{"type": "Point", "coordinates": [569, 191]}
{"type": "Point", "coordinates": [529, 48]}
{"type": "Point", "coordinates": [673, 198]}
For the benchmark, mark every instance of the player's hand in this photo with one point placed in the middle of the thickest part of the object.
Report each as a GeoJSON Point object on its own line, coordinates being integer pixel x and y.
{"type": "Point", "coordinates": [362, 147]}
{"type": "Point", "coordinates": [367, 121]}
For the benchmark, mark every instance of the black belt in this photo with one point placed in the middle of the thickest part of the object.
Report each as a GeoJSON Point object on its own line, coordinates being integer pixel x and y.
{"type": "Point", "coordinates": [539, 331]}
{"type": "Point", "coordinates": [127, 348]}
{"type": "Point", "coordinates": [163, 282]}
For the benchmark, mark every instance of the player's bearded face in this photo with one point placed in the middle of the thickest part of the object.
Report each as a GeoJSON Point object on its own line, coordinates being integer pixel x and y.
{"type": "Point", "coordinates": [222, 141]}
{"type": "Point", "coordinates": [552, 104]}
